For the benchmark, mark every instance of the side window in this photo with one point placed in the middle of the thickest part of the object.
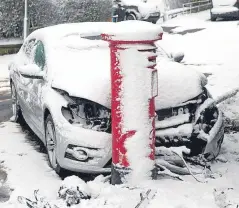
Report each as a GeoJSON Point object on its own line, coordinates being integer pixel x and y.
{"type": "Point", "coordinates": [28, 47]}
{"type": "Point", "coordinates": [39, 55]}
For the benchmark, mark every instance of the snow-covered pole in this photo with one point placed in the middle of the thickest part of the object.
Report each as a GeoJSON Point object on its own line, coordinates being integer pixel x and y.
{"type": "Point", "coordinates": [25, 24]}
{"type": "Point", "coordinates": [133, 89]}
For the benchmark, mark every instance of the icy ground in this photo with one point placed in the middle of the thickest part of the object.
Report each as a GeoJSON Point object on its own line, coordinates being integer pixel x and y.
{"type": "Point", "coordinates": [212, 50]}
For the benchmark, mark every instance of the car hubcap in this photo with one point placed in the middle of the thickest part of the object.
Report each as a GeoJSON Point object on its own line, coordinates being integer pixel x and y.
{"type": "Point", "coordinates": [51, 144]}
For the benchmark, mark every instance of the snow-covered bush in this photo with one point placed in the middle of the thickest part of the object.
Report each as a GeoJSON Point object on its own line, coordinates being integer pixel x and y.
{"type": "Point", "coordinates": [11, 18]}
{"type": "Point", "coordinates": [49, 12]}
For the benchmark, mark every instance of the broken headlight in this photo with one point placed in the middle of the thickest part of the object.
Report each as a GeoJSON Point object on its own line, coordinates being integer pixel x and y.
{"type": "Point", "coordinates": [88, 115]}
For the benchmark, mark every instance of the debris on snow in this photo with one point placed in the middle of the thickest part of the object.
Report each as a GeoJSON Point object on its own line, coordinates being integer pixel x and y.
{"type": "Point", "coordinates": [73, 190]}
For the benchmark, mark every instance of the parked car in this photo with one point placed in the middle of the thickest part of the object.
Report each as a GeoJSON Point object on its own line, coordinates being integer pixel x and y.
{"type": "Point", "coordinates": [60, 83]}
{"type": "Point", "coordinates": [224, 9]}
{"type": "Point", "coordinates": [136, 10]}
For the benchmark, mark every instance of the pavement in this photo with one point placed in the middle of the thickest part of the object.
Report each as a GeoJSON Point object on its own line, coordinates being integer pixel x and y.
{"type": "Point", "coordinates": [5, 114]}
{"type": "Point", "coordinates": [5, 106]}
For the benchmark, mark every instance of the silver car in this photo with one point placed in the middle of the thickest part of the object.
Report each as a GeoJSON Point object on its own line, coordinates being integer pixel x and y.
{"type": "Point", "coordinates": [60, 81]}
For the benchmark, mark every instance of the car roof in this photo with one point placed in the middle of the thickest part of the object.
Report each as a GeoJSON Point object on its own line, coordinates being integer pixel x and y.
{"type": "Point", "coordinates": [127, 30]}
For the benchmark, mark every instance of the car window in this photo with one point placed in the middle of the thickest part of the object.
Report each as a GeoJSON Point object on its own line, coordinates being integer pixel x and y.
{"type": "Point", "coordinates": [28, 47]}
{"type": "Point", "coordinates": [39, 55]}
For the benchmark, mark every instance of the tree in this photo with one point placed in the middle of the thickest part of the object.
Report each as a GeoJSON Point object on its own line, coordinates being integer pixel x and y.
{"type": "Point", "coordinates": [44, 13]}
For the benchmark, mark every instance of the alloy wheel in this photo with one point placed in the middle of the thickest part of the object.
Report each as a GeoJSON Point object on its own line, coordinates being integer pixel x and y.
{"type": "Point", "coordinates": [51, 144]}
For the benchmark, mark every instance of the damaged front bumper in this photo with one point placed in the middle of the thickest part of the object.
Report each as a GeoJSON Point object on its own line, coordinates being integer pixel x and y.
{"type": "Point", "coordinates": [198, 125]}
{"type": "Point", "coordinates": [83, 150]}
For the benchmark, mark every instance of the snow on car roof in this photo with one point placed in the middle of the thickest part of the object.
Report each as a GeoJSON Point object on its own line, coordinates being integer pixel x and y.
{"type": "Point", "coordinates": [126, 30]}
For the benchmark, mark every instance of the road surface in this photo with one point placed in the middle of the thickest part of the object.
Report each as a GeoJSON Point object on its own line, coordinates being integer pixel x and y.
{"type": "Point", "coordinates": [5, 106]}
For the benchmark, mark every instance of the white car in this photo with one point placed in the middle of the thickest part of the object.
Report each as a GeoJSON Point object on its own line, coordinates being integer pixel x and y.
{"type": "Point", "coordinates": [224, 9]}
{"type": "Point", "coordinates": [60, 81]}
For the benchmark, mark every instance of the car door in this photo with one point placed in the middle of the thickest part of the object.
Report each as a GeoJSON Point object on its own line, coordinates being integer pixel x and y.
{"type": "Point", "coordinates": [23, 84]}
{"type": "Point", "coordinates": [38, 84]}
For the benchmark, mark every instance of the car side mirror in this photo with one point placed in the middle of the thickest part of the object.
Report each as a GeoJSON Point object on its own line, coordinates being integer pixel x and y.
{"type": "Point", "coordinates": [177, 57]}
{"type": "Point", "coordinates": [31, 71]}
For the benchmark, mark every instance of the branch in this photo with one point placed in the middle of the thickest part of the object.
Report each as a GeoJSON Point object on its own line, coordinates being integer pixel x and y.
{"type": "Point", "coordinates": [226, 96]}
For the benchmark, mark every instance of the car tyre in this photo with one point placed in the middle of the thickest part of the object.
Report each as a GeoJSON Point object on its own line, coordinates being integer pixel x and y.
{"type": "Point", "coordinates": [213, 18]}
{"type": "Point", "coordinates": [131, 16]}
{"type": "Point", "coordinates": [16, 109]}
{"type": "Point", "coordinates": [51, 144]}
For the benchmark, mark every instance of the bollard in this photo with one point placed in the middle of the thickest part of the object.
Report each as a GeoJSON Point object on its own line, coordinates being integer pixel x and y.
{"type": "Point", "coordinates": [132, 105]}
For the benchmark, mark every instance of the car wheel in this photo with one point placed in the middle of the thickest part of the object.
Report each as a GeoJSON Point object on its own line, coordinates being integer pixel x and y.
{"type": "Point", "coordinates": [213, 18]}
{"type": "Point", "coordinates": [16, 110]}
{"type": "Point", "coordinates": [131, 16]}
{"type": "Point", "coordinates": [51, 144]}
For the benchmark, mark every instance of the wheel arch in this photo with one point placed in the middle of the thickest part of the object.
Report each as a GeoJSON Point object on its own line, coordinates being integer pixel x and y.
{"type": "Point", "coordinates": [133, 12]}
{"type": "Point", "coordinates": [46, 112]}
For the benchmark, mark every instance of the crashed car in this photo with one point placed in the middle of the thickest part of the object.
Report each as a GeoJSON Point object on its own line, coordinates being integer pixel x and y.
{"type": "Point", "coordinates": [224, 9]}
{"type": "Point", "coordinates": [60, 84]}
{"type": "Point", "coordinates": [185, 110]}
{"type": "Point", "coordinates": [136, 10]}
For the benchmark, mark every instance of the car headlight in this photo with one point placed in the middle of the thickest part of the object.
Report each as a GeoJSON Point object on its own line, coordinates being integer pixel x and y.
{"type": "Point", "coordinates": [88, 115]}
{"type": "Point", "coordinates": [155, 14]}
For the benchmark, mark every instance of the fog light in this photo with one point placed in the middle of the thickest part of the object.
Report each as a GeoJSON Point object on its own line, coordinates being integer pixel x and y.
{"type": "Point", "coordinates": [79, 154]}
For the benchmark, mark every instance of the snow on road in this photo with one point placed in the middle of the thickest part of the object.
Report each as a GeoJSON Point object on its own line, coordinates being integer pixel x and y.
{"type": "Point", "coordinates": [27, 169]}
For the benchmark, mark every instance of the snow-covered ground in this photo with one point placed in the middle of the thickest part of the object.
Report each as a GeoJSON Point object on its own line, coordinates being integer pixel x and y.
{"type": "Point", "coordinates": [212, 50]}
{"type": "Point", "coordinates": [27, 169]}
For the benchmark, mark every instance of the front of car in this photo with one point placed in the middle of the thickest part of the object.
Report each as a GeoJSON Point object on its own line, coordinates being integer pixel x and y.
{"type": "Point", "coordinates": [143, 10]}
{"type": "Point", "coordinates": [80, 103]}
{"type": "Point", "coordinates": [224, 9]}
{"type": "Point", "coordinates": [186, 114]}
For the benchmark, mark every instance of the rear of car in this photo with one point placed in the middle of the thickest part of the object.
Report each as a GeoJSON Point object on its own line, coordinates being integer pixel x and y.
{"type": "Point", "coordinates": [224, 9]}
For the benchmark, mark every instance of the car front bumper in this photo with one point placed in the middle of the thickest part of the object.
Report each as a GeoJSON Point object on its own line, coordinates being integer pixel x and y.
{"type": "Point", "coordinates": [73, 140]}
{"type": "Point", "coordinates": [152, 17]}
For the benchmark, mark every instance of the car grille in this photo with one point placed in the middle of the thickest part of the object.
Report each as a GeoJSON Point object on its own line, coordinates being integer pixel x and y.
{"type": "Point", "coordinates": [189, 106]}
{"type": "Point", "coordinates": [175, 125]}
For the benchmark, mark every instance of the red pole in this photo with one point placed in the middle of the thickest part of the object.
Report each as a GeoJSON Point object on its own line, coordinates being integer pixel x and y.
{"type": "Point", "coordinates": [121, 166]}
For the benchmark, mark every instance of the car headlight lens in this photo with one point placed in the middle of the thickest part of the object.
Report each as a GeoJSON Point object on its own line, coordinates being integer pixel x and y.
{"type": "Point", "coordinates": [155, 14]}
{"type": "Point", "coordinates": [88, 114]}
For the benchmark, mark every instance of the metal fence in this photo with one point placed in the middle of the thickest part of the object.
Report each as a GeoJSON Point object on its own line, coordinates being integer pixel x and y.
{"type": "Point", "coordinates": [188, 8]}
{"type": "Point", "coordinates": [197, 6]}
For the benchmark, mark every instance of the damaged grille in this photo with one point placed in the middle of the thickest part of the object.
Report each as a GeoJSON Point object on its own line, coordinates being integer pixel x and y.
{"type": "Point", "coordinates": [174, 126]}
